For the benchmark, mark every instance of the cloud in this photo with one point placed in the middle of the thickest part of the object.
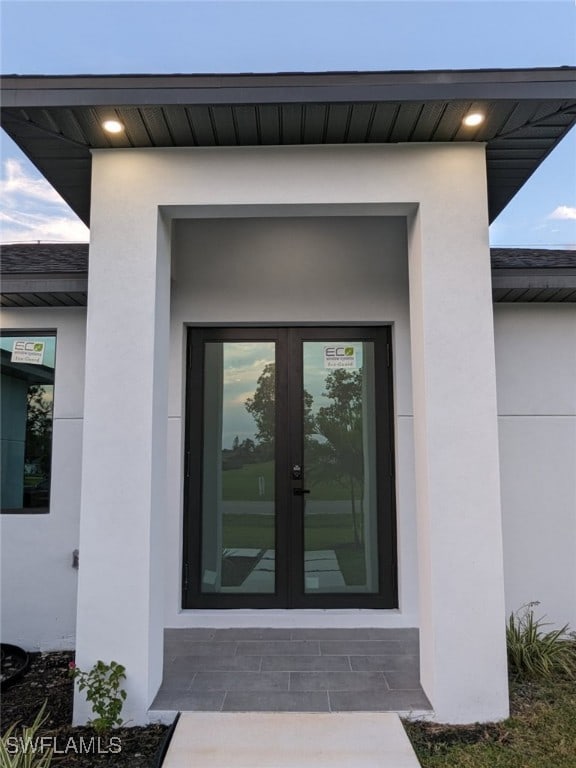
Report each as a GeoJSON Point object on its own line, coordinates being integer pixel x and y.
{"type": "Point", "coordinates": [33, 210]}
{"type": "Point", "coordinates": [563, 212]}
{"type": "Point", "coordinates": [17, 183]}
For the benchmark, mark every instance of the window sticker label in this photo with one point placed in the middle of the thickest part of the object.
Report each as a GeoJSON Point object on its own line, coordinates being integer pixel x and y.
{"type": "Point", "coordinates": [26, 351]}
{"type": "Point", "coordinates": [339, 356]}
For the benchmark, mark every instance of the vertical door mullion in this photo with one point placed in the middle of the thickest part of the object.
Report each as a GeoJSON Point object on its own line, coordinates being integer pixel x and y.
{"type": "Point", "coordinates": [282, 452]}
{"type": "Point", "coordinates": [296, 441]}
{"type": "Point", "coordinates": [192, 488]}
{"type": "Point", "coordinates": [385, 453]}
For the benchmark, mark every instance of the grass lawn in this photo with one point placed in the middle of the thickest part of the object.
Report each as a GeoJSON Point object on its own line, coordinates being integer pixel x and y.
{"type": "Point", "coordinates": [541, 733]}
{"type": "Point", "coordinates": [248, 531]}
{"type": "Point", "coordinates": [332, 532]}
{"type": "Point", "coordinates": [257, 531]}
{"type": "Point", "coordinates": [243, 485]}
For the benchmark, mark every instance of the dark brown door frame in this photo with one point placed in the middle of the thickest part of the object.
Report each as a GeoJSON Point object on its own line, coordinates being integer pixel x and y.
{"type": "Point", "coordinates": [289, 507]}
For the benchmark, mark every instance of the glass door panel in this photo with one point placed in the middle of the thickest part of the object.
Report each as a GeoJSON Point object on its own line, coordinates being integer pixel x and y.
{"type": "Point", "coordinates": [340, 505]}
{"type": "Point", "coordinates": [289, 485]}
{"type": "Point", "coordinates": [238, 468]}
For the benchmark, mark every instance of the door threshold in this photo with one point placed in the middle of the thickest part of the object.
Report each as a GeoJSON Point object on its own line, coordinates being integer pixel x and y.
{"type": "Point", "coordinates": [294, 618]}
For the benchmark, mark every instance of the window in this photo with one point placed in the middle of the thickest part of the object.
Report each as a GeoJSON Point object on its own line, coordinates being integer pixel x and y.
{"type": "Point", "coordinates": [27, 368]}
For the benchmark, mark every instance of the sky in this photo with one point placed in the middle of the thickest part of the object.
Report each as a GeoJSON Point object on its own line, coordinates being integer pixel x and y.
{"type": "Point", "coordinates": [184, 36]}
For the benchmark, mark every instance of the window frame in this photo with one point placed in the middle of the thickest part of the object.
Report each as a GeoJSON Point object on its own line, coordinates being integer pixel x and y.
{"type": "Point", "coordinates": [21, 332]}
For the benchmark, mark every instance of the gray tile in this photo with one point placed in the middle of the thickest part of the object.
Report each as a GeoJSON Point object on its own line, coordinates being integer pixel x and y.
{"type": "Point", "coordinates": [359, 648]}
{"type": "Point", "coordinates": [360, 635]}
{"type": "Point", "coordinates": [304, 663]}
{"type": "Point", "coordinates": [252, 633]}
{"type": "Point", "coordinates": [176, 681]}
{"type": "Point", "coordinates": [278, 648]}
{"type": "Point", "coordinates": [190, 664]}
{"type": "Point", "coordinates": [337, 681]}
{"type": "Point", "coordinates": [410, 647]}
{"type": "Point", "coordinates": [377, 701]}
{"type": "Point", "coordinates": [241, 681]}
{"type": "Point", "coordinates": [276, 702]}
{"type": "Point", "coordinates": [198, 634]}
{"type": "Point", "coordinates": [403, 635]}
{"type": "Point", "coordinates": [186, 701]}
{"type": "Point", "coordinates": [404, 680]}
{"type": "Point", "coordinates": [204, 649]}
{"type": "Point", "coordinates": [393, 662]}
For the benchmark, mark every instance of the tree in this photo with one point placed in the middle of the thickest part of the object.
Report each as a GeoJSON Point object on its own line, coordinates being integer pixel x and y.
{"type": "Point", "coordinates": [39, 425]}
{"type": "Point", "coordinates": [262, 408]}
{"type": "Point", "coordinates": [340, 423]}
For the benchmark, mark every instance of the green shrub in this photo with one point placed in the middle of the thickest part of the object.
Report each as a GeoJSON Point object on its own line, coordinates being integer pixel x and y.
{"type": "Point", "coordinates": [103, 691]}
{"type": "Point", "coordinates": [534, 653]}
{"type": "Point", "coordinates": [25, 749]}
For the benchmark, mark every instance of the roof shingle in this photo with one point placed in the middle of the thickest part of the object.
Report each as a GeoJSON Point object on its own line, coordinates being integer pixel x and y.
{"type": "Point", "coordinates": [45, 258]}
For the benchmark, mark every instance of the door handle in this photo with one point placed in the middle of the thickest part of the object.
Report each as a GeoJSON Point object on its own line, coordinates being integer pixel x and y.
{"type": "Point", "coordinates": [300, 491]}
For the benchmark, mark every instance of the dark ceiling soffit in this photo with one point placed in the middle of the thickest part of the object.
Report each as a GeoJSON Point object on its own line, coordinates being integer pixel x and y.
{"type": "Point", "coordinates": [67, 163]}
{"type": "Point", "coordinates": [22, 91]}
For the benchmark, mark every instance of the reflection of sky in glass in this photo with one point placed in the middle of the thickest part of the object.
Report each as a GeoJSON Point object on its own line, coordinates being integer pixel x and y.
{"type": "Point", "coordinates": [244, 362]}
{"type": "Point", "coordinates": [6, 343]}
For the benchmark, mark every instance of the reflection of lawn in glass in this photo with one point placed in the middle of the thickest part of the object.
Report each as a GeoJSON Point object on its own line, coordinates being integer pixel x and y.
{"type": "Point", "coordinates": [323, 532]}
{"type": "Point", "coordinates": [248, 531]}
{"type": "Point", "coordinates": [335, 532]}
{"type": "Point", "coordinates": [242, 485]}
{"type": "Point", "coordinates": [31, 481]}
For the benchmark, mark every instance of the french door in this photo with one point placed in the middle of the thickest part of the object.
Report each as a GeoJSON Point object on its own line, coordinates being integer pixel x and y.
{"type": "Point", "coordinates": [289, 490]}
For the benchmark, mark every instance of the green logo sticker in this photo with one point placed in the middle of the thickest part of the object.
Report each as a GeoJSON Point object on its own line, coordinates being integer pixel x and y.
{"type": "Point", "coordinates": [38, 346]}
{"type": "Point", "coordinates": [349, 351]}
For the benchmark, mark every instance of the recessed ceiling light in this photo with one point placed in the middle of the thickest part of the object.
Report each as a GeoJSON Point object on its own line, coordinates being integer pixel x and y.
{"type": "Point", "coordinates": [113, 126]}
{"type": "Point", "coordinates": [474, 118]}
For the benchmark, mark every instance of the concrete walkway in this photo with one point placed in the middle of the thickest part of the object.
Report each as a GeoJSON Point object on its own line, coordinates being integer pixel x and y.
{"type": "Point", "coordinates": [290, 740]}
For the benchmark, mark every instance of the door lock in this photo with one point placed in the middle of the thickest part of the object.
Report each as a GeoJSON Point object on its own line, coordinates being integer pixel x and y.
{"type": "Point", "coordinates": [296, 472]}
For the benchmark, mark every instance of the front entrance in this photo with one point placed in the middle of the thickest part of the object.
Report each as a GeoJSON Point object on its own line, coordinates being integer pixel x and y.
{"type": "Point", "coordinates": [289, 495]}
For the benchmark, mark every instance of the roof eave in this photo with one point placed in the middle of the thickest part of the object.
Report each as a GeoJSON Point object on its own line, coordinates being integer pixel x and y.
{"type": "Point", "coordinates": [20, 91]}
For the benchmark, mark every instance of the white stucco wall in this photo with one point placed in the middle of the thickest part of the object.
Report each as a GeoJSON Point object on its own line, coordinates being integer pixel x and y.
{"type": "Point", "coordinates": [536, 371]}
{"type": "Point", "coordinates": [536, 377]}
{"type": "Point", "coordinates": [441, 190]}
{"type": "Point", "coordinates": [38, 608]}
{"type": "Point", "coordinates": [238, 258]}
{"type": "Point", "coordinates": [293, 270]}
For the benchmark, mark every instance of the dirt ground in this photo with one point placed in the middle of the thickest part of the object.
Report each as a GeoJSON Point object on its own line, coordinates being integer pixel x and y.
{"type": "Point", "coordinates": [47, 679]}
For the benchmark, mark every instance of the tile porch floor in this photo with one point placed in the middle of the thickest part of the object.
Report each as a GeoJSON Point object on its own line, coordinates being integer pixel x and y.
{"type": "Point", "coordinates": [291, 670]}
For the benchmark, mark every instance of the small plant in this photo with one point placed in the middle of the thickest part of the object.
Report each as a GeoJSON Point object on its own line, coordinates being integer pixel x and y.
{"type": "Point", "coordinates": [27, 749]}
{"type": "Point", "coordinates": [534, 653]}
{"type": "Point", "coordinates": [103, 691]}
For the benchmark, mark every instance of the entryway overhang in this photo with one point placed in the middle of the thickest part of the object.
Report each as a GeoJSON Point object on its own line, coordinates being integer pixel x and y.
{"type": "Point", "coordinates": [58, 120]}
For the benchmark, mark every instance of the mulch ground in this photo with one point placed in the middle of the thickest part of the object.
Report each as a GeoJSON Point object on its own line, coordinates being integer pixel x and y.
{"type": "Point", "coordinates": [47, 679]}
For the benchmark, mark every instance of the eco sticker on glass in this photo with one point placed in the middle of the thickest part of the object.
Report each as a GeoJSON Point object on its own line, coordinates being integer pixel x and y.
{"type": "Point", "coordinates": [339, 356]}
{"type": "Point", "coordinates": [26, 351]}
